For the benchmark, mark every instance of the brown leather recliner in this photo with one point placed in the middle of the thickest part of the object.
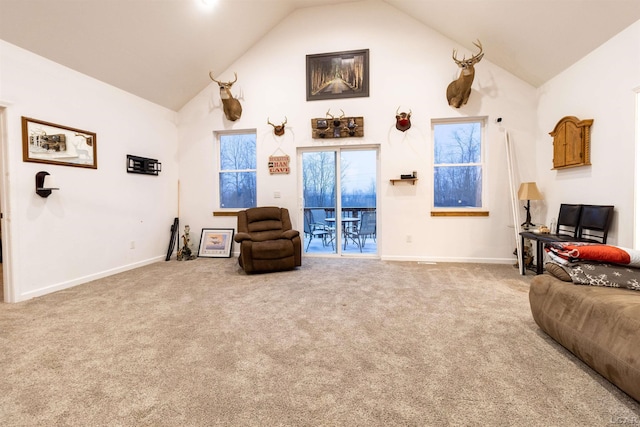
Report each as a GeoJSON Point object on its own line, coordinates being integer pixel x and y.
{"type": "Point", "coordinates": [267, 240]}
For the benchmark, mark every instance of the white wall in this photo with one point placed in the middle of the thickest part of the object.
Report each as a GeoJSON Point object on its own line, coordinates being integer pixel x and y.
{"type": "Point", "coordinates": [84, 230]}
{"type": "Point", "coordinates": [410, 66]}
{"type": "Point", "coordinates": [600, 87]}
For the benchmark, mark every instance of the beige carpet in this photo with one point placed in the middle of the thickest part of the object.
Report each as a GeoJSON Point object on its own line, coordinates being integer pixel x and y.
{"type": "Point", "coordinates": [339, 342]}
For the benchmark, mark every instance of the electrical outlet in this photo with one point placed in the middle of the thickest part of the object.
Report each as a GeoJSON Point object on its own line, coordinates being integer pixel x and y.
{"type": "Point", "coordinates": [132, 244]}
{"type": "Point", "coordinates": [409, 238]}
{"type": "Point", "coordinates": [276, 194]}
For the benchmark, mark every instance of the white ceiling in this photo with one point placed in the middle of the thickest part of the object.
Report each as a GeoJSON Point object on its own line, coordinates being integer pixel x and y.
{"type": "Point", "coordinates": [163, 50]}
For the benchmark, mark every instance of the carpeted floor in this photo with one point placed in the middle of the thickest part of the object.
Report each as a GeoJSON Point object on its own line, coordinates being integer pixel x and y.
{"type": "Point", "coordinates": [339, 342]}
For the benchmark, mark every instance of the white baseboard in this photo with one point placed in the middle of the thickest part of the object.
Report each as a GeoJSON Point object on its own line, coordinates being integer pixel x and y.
{"type": "Point", "coordinates": [432, 260]}
{"type": "Point", "coordinates": [79, 281]}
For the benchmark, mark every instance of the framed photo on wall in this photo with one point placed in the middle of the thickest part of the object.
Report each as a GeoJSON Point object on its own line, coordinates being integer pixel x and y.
{"type": "Point", "coordinates": [44, 142]}
{"type": "Point", "coordinates": [338, 75]}
{"type": "Point", "coordinates": [216, 242]}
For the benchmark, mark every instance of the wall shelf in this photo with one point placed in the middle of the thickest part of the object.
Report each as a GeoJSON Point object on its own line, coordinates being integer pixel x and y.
{"type": "Point", "coordinates": [411, 180]}
{"type": "Point", "coordinates": [143, 165]}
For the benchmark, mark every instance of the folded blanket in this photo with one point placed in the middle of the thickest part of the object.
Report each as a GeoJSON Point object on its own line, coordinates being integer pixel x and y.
{"type": "Point", "coordinates": [578, 251]}
{"type": "Point", "coordinates": [602, 274]}
{"type": "Point", "coordinates": [557, 258]}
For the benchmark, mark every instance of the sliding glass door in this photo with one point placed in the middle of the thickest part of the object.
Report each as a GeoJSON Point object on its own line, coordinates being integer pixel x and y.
{"type": "Point", "coordinates": [339, 180]}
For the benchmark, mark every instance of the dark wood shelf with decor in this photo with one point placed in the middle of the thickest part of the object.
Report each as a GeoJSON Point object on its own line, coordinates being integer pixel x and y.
{"type": "Point", "coordinates": [411, 180]}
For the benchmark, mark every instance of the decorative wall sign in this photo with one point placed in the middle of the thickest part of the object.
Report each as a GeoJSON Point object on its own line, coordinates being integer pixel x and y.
{"type": "Point", "coordinates": [143, 165]}
{"type": "Point", "coordinates": [338, 75]}
{"type": "Point", "coordinates": [337, 127]}
{"type": "Point", "coordinates": [44, 142]}
{"type": "Point", "coordinates": [279, 164]}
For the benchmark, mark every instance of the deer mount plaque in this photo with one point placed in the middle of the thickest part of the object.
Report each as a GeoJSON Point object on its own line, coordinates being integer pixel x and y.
{"type": "Point", "coordinates": [337, 127]}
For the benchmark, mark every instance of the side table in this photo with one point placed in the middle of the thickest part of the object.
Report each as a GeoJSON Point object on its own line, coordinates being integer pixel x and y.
{"type": "Point", "coordinates": [539, 239]}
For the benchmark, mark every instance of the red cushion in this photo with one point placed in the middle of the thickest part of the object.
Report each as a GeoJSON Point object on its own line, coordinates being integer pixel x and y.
{"type": "Point", "coordinates": [604, 253]}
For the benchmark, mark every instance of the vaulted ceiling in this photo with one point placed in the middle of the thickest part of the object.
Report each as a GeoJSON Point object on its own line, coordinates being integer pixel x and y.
{"type": "Point", "coordinates": [163, 50]}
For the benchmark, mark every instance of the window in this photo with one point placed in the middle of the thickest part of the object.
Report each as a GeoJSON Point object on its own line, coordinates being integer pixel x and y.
{"type": "Point", "coordinates": [458, 164]}
{"type": "Point", "coordinates": [237, 169]}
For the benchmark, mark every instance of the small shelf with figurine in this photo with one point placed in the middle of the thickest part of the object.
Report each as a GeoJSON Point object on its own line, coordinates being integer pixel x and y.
{"type": "Point", "coordinates": [412, 178]}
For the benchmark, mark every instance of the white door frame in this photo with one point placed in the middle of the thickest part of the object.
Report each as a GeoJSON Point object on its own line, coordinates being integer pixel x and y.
{"type": "Point", "coordinates": [5, 211]}
{"type": "Point", "coordinates": [338, 149]}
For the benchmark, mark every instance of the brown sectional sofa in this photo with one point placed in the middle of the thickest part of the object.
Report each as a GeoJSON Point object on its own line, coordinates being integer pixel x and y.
{"type": "Point", "coordinates": [600, 325]}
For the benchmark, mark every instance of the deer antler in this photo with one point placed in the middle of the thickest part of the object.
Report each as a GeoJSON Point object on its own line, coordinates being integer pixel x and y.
{"type": "Point", "coordinates": [222, 83]}
{"type": "Point", "coordinates": [211, 77]}
{"type": "Point", "coordinates": [477, 57]}
{"type": "Point", "coordinates": [342, 116]}
{"type": "Point", "coordinates": [474, 59]}
{"type": "Point", "coordinates": [274, 126]}
{"type": "Point", "coordinates": [328, 114]}
{"type": "Point", "coordinates": [453, 55]}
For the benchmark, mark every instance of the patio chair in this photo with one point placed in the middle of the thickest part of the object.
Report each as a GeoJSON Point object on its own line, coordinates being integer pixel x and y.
{"type": "Point", "coordinates": [315, 229]}
{"type": "Point", "coordinates": [366, 229]}
{"type": "Point", "coordinates": [319, 222]}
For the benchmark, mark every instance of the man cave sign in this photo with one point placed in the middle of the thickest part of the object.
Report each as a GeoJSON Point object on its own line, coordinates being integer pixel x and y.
{"type": "Point", "coordinates": [279, 165]}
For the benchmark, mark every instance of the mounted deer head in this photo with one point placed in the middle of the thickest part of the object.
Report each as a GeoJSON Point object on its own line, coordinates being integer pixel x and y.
{"type": "Point", "coordinates": [403, 120]}
{"type": "Point", "coordinates": [278, 129]}
{"type": "Point", "coordinates": [230, 105]}
{"type": "Point", "coordinates": [459, 90]}
{"type": "Point", "coordinates": [336, 122]}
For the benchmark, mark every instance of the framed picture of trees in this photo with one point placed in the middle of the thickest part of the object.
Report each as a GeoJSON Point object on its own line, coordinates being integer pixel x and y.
{"type": "Point", "coordinates": [338, 75]}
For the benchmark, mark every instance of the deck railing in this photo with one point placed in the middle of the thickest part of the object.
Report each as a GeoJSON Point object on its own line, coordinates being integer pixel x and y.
{"type": "Point", "coordinates": [349, 212]}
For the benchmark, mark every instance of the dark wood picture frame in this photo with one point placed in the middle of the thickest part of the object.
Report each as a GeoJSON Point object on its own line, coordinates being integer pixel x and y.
{"type": "Point", "coordinates": [338, 75]}
{"type": "Point", "coordinates": [44, 142]}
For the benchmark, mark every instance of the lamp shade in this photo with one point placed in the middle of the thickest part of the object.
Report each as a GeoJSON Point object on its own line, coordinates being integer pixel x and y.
{"type": "Point", "coordinates": [529, 191]}
{"type": "Point", "coordinates": [49, 183]}
{"type": "Point", "coordinates": [44, 184]}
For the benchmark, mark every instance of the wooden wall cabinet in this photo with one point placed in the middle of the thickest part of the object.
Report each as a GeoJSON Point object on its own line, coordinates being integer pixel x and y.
{"type": "Point", "coordinates": [571, 142]}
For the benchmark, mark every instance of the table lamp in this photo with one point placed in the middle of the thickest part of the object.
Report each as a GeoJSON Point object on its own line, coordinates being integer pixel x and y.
{"type": "Point", "coordinates": [528, 191]}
